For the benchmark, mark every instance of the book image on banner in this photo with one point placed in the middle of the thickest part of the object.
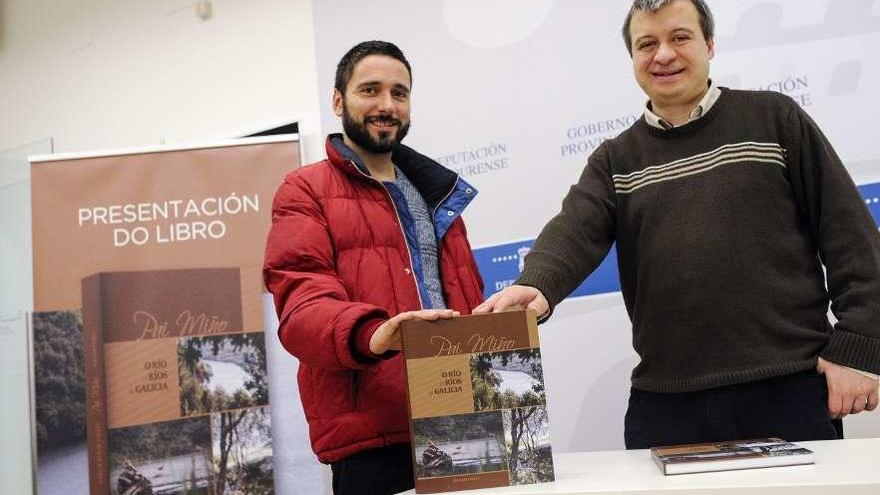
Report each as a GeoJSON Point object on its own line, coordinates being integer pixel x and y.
{"type": "Point", "coordinates": [176, 392]}
{"type": "Point", "coordinates": [729, 456]}
{"type": "Point", "coordinates": [477, 402]}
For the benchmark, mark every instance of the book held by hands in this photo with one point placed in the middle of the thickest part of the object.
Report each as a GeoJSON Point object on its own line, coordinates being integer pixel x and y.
{"type": "Point", "coordinates": [729, 456]}
{"type": "Point", "coordinates": [477, 402]}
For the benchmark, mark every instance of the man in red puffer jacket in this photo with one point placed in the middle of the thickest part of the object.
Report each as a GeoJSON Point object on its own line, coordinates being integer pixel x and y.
{"type": "Point", "coordinates": [361, 241]}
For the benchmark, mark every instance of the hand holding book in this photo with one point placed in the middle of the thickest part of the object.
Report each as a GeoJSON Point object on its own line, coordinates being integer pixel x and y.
{"type": "Point", "coordinates": [387, 336]}
{"type": "Point", "coordinates": [515, 297]}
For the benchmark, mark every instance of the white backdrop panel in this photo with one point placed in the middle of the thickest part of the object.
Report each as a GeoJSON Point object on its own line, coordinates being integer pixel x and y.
{"type": "Point", "coordinates": [515, 94]}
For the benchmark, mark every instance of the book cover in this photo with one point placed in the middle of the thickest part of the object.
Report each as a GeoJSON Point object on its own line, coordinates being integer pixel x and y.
{"type": "Point", "coordinates": [176, 393]}
{"type": "Point", "coordinates": [477, 402]}
{"type": "Point", "coordinates": [728, 456]}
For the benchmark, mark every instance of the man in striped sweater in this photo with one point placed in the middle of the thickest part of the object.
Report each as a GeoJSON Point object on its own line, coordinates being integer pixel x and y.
{"type": "Point", "coordinates": [729, 209]}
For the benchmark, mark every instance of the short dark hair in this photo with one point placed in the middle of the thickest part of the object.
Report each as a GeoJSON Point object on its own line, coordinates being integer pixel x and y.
{"type": "Point", "coordinates": [707, 22]}
{"type": "Point", "coordinates": [359, 52]}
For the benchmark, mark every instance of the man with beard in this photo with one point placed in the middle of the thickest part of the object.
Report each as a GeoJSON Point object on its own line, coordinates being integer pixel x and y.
{"type": "Point", "coordinates": [361, 241]}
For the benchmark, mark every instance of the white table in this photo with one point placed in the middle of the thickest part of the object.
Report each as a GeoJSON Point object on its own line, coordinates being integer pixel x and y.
{"type": "Point", "coordinates": [850, 467]}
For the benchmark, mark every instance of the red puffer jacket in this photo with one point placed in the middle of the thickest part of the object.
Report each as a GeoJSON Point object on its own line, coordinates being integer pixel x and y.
{"type": "Point", "coordinates": [337, 262]}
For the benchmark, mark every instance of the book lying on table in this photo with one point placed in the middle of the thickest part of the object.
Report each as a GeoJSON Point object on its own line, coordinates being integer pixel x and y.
{"type": "Point", "coordinates": [477, 402]}
{"type": "Point", "coordinates": [729, 456]}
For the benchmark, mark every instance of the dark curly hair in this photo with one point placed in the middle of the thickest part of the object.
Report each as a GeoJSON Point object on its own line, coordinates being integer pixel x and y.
{"type": "Point", "coordinates": [365, 49]}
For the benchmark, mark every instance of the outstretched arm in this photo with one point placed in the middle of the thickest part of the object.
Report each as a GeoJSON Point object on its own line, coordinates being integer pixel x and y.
{"type": "Point", "coordinates": [569, 247]}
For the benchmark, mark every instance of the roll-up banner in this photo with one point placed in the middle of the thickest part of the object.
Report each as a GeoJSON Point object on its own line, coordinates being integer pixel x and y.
{"type": "Point", "coordinates": [149, 341]}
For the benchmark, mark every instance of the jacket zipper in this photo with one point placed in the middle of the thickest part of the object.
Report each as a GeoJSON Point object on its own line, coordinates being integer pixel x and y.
{"type": "Point", "coordinates": [434, 214]}
{"type": "Point", "coordinates": [412, 271]}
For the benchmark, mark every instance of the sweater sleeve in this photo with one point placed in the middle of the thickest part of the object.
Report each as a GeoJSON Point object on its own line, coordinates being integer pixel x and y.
{"type": "Point", "coordinates": [847, 239]}
{"type": "Point", "coordinates": [317, 322]}
{"type": "Point", "coordinates": [577, 239]}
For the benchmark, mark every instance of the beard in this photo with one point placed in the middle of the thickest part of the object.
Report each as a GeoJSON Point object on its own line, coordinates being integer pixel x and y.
{"type": "Point", "coordinates": [360, 135]}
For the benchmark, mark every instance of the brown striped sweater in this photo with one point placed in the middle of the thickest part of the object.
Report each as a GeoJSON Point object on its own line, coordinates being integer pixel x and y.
{"type": "Point", "coordinates": [723, 227]}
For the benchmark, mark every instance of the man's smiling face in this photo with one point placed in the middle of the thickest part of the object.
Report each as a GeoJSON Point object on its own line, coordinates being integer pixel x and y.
{"type": "Point", "coordinates": [670, 55]}
{"type": "Point", "coordinates": [375, 108]}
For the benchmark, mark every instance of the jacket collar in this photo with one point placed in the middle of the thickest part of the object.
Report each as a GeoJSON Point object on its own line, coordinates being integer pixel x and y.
{"type": "Point", "coordinates": [434, 181]}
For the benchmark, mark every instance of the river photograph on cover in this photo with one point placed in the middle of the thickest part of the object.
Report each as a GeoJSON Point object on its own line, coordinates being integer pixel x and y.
{"type": "Point", "coordinates": [508, 379]}
{"type": "Point", "coordinates": [60, 403]}
{"type": "Point", "coordinates": [463, 444]}
{"type": "Point", "coordinates": [222, 372]}
{"type": "Point", "coordinates": [169, 458]}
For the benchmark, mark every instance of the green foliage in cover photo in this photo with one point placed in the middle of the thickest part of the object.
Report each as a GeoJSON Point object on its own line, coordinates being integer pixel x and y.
{"type": "Point", "coordinates": [527, 445]}
{"type": "Point", "coordinates": [222, 372]}
{"type": "Point", "coordinates": [507, 379]}
{"type": "Point", "coordinates": [243, 455]}
{"type": "Point", "coordinates": [59, 378]}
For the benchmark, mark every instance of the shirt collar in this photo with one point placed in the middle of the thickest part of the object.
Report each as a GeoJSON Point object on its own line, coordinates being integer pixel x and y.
{"type": "Point", "coordinates": [701, 109]}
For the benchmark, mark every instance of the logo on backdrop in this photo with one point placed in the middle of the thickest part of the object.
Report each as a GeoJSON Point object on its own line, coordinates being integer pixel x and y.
{"type": "Point", "coordinates": [491, 158]}
{"type": "Point", "coordinates": [521, 255]}
{"type": "Point", "coordinates": [871, 194]}
{"type": "Point", "coordinates": [583, 139]}
{"type": "Point", "coordinates": [501, 265]}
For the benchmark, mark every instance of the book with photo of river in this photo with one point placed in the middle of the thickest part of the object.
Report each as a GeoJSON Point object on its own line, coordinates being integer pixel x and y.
{"type": "Point", "coordinates": [477, 402]}
{"type": "Point", "coordinates": [177, 395]}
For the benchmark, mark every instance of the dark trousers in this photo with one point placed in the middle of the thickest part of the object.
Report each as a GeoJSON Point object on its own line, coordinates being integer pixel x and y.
{"type": "Point", "coordinates": [792, 407]}
{"type": "Point", "coordinates": [382, 471]}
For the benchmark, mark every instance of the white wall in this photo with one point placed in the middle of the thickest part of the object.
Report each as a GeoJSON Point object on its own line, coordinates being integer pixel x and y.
{"type": "Point", "coordinates": [99, 74]}
{"type": "Point", "coordinates": [95, 74]}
